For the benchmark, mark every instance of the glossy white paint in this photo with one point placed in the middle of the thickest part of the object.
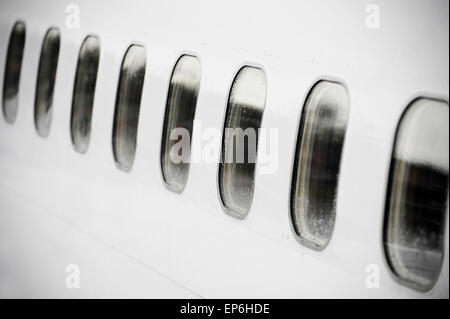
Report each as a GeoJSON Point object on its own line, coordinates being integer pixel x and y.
{"type": "Point", "coordinates": [134, 238]}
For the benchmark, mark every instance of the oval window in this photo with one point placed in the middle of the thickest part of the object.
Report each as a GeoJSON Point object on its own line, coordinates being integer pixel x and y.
{"type": "Point", "coordinates": [128, 102]}
{"type": "Point", "coordinates": [46, 81]}
{"type": "Point", "coordinates": [83, 93]}
{"type": "Point", "coordinates": [178, 122]}
{"type": "Point", "coordinates": [12, 72]}
{"type": "Point", "coordinates": [245, 108]}
{"type": "Point", "coordinates": [417, 196]}
{"type": "Point", "coordinates": [317, 162]}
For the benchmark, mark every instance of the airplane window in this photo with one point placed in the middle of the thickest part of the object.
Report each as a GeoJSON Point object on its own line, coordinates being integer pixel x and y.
{"type": "Point", "coordinates": [128, 101]}
{"type": "Point", "coordinates": [83, 93]}
{"type": "Point", "coordinates": [245, 108]}
{"type": "Point", "coordinates": [12, 72]}
{"type": "Point", "coordinates": [46, 81]}
{"type": "Point", "coordinates": [180, 111]}
{"type": "Point", "coordinates": [317, 161]}
{"type": "Point", "coordinates": [417, 196]}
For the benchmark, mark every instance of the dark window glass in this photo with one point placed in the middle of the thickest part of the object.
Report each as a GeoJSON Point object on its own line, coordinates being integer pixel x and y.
{"type": "Point", "coordinates": [46, 81]}
{"type": "Point", "coordinates": [178, 123]}
{"type": "Point", "coordinates": [12, 72]}
{"type": "Point", "coordinates": [245, 108]}
{"type": "Point", "coordinates": [317, 162]}
{"type": "Point", "coordinates": [128, 102]}
{"type": "Point", "coordinates": [83, 93]}
{"type": "Point", "coordinates": [417, 196]}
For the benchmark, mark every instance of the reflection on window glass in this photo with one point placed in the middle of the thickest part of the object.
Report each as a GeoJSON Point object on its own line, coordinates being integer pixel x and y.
{"type": "Point", "coordinates": [418, 195]}
{"type": "Point", "coordinates": [317, 161]}
{"type": "Point", "coordinates": [46, 81]}
{"type": "Point", "coordinates": [128, 102]}
{"type": "Point", "coordinates": [245, 108]}
{"type": "Point", "coordinates": [180, 111]}
{"type": "Point", "coordinates": [12, 72]}
{"type": "Point", "coordinates": [83, 93]}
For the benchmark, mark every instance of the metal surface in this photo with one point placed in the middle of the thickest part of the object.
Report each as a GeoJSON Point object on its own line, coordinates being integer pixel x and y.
{"type": "Point", "coordinates": [129, 234]}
